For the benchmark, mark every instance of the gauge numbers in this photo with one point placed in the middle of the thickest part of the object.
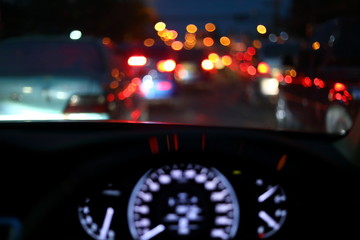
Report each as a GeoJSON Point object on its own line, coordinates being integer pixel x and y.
{"type": "Point", "coordinates": [96, 214]}
{"type": "Point", "coordinates": [272, 212]}
{"type": "Point", "coordinates": [183, 201]}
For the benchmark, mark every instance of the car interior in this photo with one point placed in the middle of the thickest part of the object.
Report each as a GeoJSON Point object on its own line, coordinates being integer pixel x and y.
{"type": "Point", "coordinates": [63, 178]}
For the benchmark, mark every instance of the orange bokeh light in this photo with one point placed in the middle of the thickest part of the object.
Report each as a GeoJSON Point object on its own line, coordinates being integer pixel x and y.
{"type": "Point", "coordinates": [177, 45]}
{"type": "Point", "coordinates": [149, 42]}
{"type": "Point", "coordinates": [225, 41]}
{"type": "Point", "coordinates": [191, 28]}
{"type": "Point", "coordinates": [208, 41]}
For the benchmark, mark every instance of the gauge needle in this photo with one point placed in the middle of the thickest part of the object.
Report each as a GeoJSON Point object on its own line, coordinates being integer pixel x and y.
{"type": "Point", "coordinates": [106, 224]}
{"type": "Point", "coordinates": [269, 220]}
{"type": "Point", "coordinates": [267, 194]}
{"type": "Point", "coordinates": [153, 232]}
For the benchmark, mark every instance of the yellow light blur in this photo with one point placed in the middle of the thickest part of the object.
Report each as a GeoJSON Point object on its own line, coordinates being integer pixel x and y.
{"type": "Point", "coordinates": [206, 64]}
{"type": "Point", "coordinates": [316, 45]}
{"type": "Point", "coordinates": [263, 68]}
{"type": "Point", "coordinates": [171, 34]}
{"type": "Point", "coordinates": [210, 27]}
{"type": "Point", "coordinates": [208, 41]}
{"type": "Point", "coordinates": [257, 44]}
{"type": "Point", "coordinates": [225, 41]}
{"type": "Point", "coordinates": [191, 28]}
{"type": "Point", "coordinates": [162, 33]}
{"type": "Point", "coordinates": [166, 65]}
{"type": "Point", "coordinates": [219, 65]}
{"type": "Point", "coordinates": [177, 45]}
{"type": "Point", "coordinates": [160, 26]}
{"type": "Point", "coordinates": [213, 57]}
{"type": "Point", "coordinates": [226, 60]}
{"type": "Point", "coordinates": [261, 29]}
{"type": "Point", "coordinates": [169, 65]}
{"type": "Point", "coordinates": [149, 42]}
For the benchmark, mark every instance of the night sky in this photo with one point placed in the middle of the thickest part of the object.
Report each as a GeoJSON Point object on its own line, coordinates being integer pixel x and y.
{"type": "Point", "coordinates": [229, 15]}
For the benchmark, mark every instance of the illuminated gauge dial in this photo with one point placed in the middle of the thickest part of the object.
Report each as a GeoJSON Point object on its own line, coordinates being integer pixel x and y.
{"type": "Point", "coordinates": [272, 211]}
{"type": "Point", "coordinates": [96, 214]}
{"type": "Point", "coordinates": [184, 201]}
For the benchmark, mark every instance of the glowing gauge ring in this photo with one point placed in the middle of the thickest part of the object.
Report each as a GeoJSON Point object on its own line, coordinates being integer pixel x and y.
{"type": "Point", "coordinates": [183, 200]}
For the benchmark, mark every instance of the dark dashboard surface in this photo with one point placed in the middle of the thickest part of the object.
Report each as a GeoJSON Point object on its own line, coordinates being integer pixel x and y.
{"type": "Point", "coordinates": [111, 180]}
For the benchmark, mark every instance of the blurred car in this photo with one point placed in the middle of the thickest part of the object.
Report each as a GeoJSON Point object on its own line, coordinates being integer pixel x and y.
{"type": "Point", "coordinates": [274, 59]}
{"type": "Point", "coordinates": [44, 77]}
{"type": "Point", "coordinates": [265, 65]}
{"type": "Point", "coordinates": [324, 81]}
{"type": "Point", "coordinates": [191, 69]}
{"type": "Point", "coordinates": [154, 66]}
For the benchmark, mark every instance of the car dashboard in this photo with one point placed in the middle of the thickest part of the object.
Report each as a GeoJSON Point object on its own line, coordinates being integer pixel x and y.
{"type": "Point", "coordinates": [127, 180]}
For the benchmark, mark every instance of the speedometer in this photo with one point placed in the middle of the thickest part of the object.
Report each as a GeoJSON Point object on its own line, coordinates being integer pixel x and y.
{"type": "Point", "coordinates": [183, 201]}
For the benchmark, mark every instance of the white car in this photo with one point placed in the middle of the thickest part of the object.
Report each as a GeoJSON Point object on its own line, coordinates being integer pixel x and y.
{"type": "Point", "coordinates": [60, 78]}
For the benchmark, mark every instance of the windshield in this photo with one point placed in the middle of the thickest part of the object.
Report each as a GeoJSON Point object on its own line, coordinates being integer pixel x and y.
{"type": "Point", "coordinates": [271, 64]}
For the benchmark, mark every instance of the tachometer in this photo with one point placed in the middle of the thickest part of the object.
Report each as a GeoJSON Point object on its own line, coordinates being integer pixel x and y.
{"type": "Point", "coordinates": [97, 213]}
{"type": "Point", "coordinates": [272, 208]}
{"type": "Point", "coordinates": [183, 201]}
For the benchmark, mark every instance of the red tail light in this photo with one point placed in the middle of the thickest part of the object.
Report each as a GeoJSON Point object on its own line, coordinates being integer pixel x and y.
{"type": "Point", "coordinates": [339, 93]}
{"type": "Point", "coordinates": [137, 61]}
{"type": "Point", "coordinates": [288, 79]}
{"type": "Point", "coordinates": [251, 70]}
{"type": "Point", "coordinates": [306, 82]}
{"type": "Point", "coordinates": [319, 83]}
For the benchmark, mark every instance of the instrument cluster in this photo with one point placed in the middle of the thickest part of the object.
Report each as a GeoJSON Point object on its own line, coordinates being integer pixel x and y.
{"type": "Point", "coordinates": [187, 197]}
{"type": "Point", "coordinates": [195, 185]}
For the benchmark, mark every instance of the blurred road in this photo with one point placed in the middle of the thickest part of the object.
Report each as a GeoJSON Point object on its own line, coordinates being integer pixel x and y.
{"type": "Point", "coordinates": [216, 104]}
